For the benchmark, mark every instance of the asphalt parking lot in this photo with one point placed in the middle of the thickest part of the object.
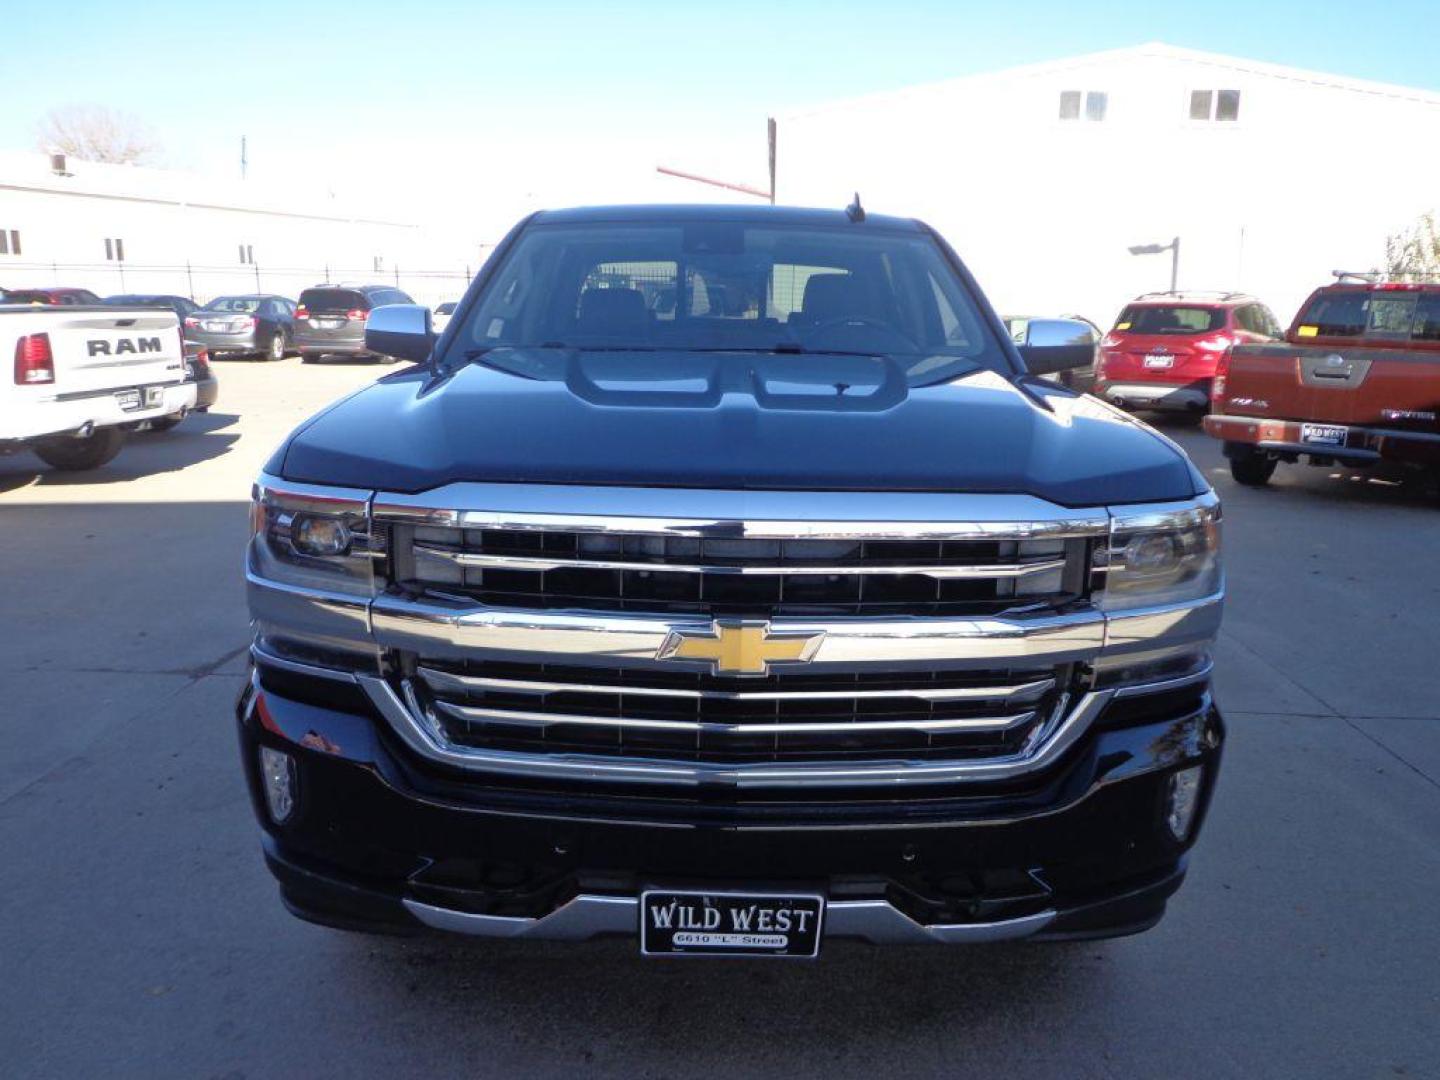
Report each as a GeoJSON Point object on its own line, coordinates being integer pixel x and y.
{"type": "Point", "coordinates": [141, 935]}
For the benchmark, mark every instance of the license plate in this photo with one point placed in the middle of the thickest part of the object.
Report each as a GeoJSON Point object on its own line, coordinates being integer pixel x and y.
{"type": "Point", "coordinates": [730, 924]}
{"type": "Point", "coordinates": [128, 399]}
{"type": "Point", "coordinates": [217, 327]}
{"type": "Point", "coordinates": [1159, 361]}
{"type": "Point", "coordinates": [1323, 434]}
{"type": "Point", "coordinates": [327, 324]}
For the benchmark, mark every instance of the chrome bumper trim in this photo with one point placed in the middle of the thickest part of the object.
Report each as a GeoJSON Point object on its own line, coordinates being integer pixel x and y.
{"type": "Point", "coordinates": [409, 722]}
{"type": "Point", "coordinates": [519, 718]}
{"type": "Point", "coordinates": [588, 916]}
{"type": "Point", "coordinates": [794, 515]}
{"type": "Point", "coordinates": [446, 681]}
{"type": "Point", "coordinates": [439, 631]}
{"type": "Point", "coordinates": [261, 655]}
{"type": "Point", "coordinates": [758, 569]}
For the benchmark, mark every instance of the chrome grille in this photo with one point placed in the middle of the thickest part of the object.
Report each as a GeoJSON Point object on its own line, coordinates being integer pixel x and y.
{"type": "Point", "coordinates": [687, 716]}
{"type": "Point", "coordinates": [747, 576]}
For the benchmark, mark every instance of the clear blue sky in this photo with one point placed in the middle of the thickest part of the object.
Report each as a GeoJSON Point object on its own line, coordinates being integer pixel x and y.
{"type": "Point", "coordinates": [297, 77]}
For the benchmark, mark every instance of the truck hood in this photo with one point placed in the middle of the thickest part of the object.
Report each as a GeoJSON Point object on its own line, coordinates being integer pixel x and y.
{"type": "Point", "coordinates": [733, 421]}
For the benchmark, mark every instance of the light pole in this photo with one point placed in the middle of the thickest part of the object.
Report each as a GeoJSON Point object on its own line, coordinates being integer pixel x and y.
{"type": "Point", "coordinates": [1155, 249]}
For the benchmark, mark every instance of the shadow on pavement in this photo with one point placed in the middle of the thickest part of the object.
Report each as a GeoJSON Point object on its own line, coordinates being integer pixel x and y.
{"type": "Point", "coordinates": [198, 438]}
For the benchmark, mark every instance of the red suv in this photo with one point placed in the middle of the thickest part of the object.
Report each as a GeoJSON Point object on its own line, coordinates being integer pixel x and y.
{"type": "Point", "coordinates": [1164, 347]}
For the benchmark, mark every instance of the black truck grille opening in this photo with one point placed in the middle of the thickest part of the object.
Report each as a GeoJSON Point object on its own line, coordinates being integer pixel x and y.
{"type": "Point", "coordinates": [753, 577]}
{"type": "Point", "coordinates": [488, 705]}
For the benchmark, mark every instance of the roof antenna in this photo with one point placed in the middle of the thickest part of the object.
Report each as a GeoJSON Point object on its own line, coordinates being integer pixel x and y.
{"type": "Point", "coordinates": [855, 212]}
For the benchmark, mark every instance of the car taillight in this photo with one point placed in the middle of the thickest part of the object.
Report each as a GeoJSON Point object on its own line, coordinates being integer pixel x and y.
{"type": "Point", "coordinates": [1109, 341]}
{"type": "Point", "coordinates": [302, 312]}
{"type": "Point", "coordinates": [355, 315]}
{"type": "Point", "coordinates": [1218, 343]}
{"type": "Point", "coordinates": [34, 362]}
{"type": "Point", "coordinates": [1222, 373]}
{"type": "Point", "coordinates": [191, 320]}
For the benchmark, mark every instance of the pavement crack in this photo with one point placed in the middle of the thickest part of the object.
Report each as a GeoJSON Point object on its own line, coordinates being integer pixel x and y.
{"type": "Point", "coordinates": [1394, 754]}
{"type": "Point", "coordinates": [1273, 666]}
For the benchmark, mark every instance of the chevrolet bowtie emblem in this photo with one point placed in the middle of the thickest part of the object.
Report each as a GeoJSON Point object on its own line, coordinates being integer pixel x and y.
{"type": "Point", "coordinates": [740, 647]}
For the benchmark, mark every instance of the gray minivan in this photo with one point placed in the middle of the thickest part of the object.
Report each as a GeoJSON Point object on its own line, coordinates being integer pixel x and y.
{"type": "Point", "coordinates": [331, 319]}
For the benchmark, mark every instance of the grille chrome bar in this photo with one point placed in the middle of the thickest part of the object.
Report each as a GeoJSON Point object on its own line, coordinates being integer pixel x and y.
{"type": "Point", "coordinates": [473, 714]}
{"type": "Point", "coordinates": [448, 682]}
{"type": "Point", "coordinates": [538, 563]}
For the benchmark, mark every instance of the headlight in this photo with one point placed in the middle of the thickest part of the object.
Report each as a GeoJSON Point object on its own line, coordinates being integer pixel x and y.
{"type": "Point", "coordinates": [1163, 555]}
{"type": "Point", "coordinates": [313, 536]}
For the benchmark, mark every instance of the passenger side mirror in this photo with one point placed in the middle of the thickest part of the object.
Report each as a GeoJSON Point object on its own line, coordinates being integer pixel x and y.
{"type": "Point", "coordinates": [1053, 345]}
{"type": "Point", "coordinates": [400, 330]}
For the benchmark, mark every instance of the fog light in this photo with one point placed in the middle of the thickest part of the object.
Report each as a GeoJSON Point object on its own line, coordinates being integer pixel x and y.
{"type": "Point", "coordinates": [1184, 800]}
{"type": "Point", "coordinates": [277, 774]}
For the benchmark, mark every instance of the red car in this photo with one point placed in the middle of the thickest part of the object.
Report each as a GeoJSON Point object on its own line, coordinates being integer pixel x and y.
{"type": "Point", "coordinates": [48, 296]}
{"type": "Point", "coordinates": [1164, 347]}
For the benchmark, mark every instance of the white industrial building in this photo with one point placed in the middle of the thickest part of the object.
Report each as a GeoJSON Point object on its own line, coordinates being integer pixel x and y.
{"type": "Point", "coordinates": [122, 228]}
{"type": "Point", "coordinates": [1043, 176]}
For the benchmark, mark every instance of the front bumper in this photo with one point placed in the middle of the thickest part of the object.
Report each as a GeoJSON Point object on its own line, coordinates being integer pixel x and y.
{"type": "Point", "coordinates": [1185, 397]}
{"type": "Point", "coordinates": [1361, 446]}
{"type": "Point", "coordinates": [382, 840]}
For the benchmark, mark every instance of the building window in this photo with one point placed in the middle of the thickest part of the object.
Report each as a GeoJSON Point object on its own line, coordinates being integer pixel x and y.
{"type": "Point", "coordinates": [10, 242]}
{"type": "Point", "coordinates": [114, 250]}
{"type": "Point", "coordinates": [1215, 105]}
{"type": "Point", "coordinates": [1095, 102]}
{"type": "Point", "coordinates": [247, 254]}
{"type": "Point", "coordinates": [379, 263]}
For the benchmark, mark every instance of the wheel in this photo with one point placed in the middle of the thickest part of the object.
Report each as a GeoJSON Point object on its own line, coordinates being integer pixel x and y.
{"type": "Point", "coordinates": [384, 359]}
{"type": "Point", "coordinates": [1191, 418]}
{"type": "Point", "coordinates": [307, 357]}
{"type": "Point", "coordinates": [1252, 468]}
{"type": "Point", "coordinates": [167, 423]}
{"type": "Point", "coordinates": [277, 347]}
{"type": "Point", "coordinates": [77, 455]}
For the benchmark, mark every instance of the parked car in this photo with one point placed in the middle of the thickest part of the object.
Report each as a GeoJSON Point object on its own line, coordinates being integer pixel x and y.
{"type": "Point", "coordinates": [1080, 377]}
{"type": "Point", "coordinates": [330, 319]}
{"type": "Point", "coordinates": [1356, 381]}
{"type": "Point", "coordinates": [182, 305]}
{"type": "Point", "coordinates": [441, 318]}
{"type": "Point", "coordinates": [250, 325]}
{"type": "Point", "coordinates": [723, 631]}
{"type": "Point", "coordinates": [84, 377]}
{"type": "Point", "coordinates": [48, 296]}
{"type": "Point", "coordinates": [1161, 353]}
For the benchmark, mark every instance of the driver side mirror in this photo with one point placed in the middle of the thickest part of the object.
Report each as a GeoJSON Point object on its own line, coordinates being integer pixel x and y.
{"type": "Point", "coordinates": [403, 331]}
{"type": "Point", "coordinates": [1052, 345]}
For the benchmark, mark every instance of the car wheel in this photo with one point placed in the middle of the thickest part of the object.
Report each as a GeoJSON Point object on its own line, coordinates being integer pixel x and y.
{"type": "Point", "coordinates": [277, 347]}
{"type": "Point", "coordinates": [1252, 468]}
{"type": "Point", "coordinates": [307, 357]}
{"type": "Point", "coordinates": [385, 359]}
{"type": "Point", "coordinates": [165, 423]}
{"type": "Point", "coordinates": [77, 455]}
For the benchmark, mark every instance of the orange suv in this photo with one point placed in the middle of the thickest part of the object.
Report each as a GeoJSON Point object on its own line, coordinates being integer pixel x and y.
{"type": "Point", "coordinates": [1164, 348]}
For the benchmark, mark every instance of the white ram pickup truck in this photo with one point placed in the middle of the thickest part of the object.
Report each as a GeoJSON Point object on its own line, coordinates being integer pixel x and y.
{"type": "Point", "coordinates": [84, 376]}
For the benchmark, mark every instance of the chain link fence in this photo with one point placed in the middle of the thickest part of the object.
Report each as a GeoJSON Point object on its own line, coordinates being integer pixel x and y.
{"type": "Point", "coordinates": [204, 283]}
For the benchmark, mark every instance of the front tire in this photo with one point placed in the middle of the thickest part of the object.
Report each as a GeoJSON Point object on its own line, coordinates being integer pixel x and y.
{"type": "Point", "coordinates": [167, 423]}
{"type": "Point", "coordinates": [1252, 468]}
{"type": "Point", "coordinates": [276, 352]}
{"type": "Point", "coordinates": [309, 357]}
{"type": "Point", "coordinates": [78, 455]}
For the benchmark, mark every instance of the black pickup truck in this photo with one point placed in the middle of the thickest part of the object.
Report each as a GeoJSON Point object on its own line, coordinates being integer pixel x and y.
{"type": "Point", "coordinates": [724, 578]}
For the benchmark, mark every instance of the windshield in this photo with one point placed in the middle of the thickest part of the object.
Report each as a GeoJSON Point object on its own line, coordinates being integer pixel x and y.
{"type": "Point", "coordinates": [730, 287]}
{"type": "Point", "coordinates": [1170, 319]}
{"type": "Point", "coordinates": [234, 303]}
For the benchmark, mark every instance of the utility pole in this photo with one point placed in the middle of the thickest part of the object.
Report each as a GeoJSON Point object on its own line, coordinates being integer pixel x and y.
{"type": "Point", "coordinates": [770, 139]}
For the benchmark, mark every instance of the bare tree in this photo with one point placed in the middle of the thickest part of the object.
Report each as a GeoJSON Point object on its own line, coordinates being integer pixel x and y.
{"type": "Point", "coordinates": [95, 133]}
{"type": "Point", "coordinates": [1414, 252]}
